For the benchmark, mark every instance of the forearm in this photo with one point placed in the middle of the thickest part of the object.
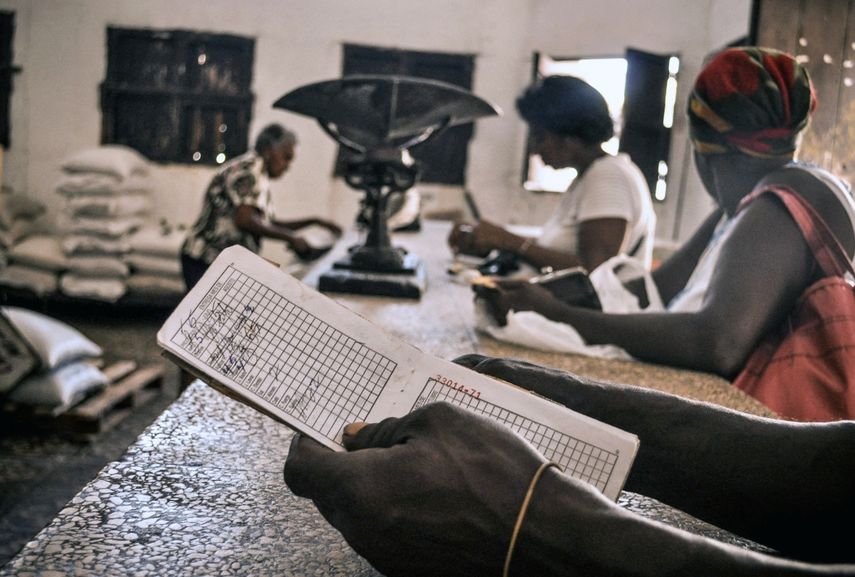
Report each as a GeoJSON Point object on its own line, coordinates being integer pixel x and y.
{"type": "Point", "coordinates": [489, 236]}
{"type": "Point", "coordinates": [279, 233]}
{"type": "Point", "coordinates": [568, 531]}
{"type": "Point", "coordinates": [541, 257]}
{"type": "Point", "coordinates": [762, 479]}
{"type": "Point", "coordinates": [249, 219]}
{"type": "Point", "coordinates": [295, 225]}
{"type": "Point", "coordinates": [780, 483]}
{"type": "Point", "coordinates": [688, 340]}
{"type": "Point", "coordinates": [254, 224]}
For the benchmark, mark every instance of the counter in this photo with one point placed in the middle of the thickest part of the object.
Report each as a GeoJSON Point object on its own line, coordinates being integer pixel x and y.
{"type": "Point", "coordinates": [201, 492]}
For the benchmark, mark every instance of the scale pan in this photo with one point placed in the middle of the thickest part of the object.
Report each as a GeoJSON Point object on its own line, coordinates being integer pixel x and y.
{"type": "Point", "coordinates": [374, 110]}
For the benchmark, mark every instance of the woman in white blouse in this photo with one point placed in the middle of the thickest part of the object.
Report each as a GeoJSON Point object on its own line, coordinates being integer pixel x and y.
{"type": "Point", "coordinates": [606, 211]}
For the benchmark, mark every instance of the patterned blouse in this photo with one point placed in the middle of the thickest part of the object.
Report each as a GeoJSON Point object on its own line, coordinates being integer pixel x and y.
{"type": "Point", "coordinates": [240, 182]}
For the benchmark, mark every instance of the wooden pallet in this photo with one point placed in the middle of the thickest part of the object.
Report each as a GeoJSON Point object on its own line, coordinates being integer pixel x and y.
{"type": "Point", "coordinates": [130, 386]}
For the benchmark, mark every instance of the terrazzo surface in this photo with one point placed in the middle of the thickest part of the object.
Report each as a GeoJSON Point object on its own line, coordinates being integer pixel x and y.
{"type": "Point", "coordinates": [40, 472]}
{"type": "Point", "coordinates": [147, 519]}
{"type": "Point", "coordinates": [200, 492]}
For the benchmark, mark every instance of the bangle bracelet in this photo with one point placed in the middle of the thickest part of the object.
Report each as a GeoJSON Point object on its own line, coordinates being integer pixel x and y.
{"type": "Point", "coordinates": [524, 246]}
{"type": "Point", "coordinates": [523, 509]}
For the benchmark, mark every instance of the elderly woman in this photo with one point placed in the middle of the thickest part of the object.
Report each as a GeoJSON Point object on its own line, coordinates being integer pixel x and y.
{"type": "Point", "coordinates": [740, 274]}
{"type": "Point", "coordinates": [607, 209]}
{"type": "Point", "coordinates": [238, 207]}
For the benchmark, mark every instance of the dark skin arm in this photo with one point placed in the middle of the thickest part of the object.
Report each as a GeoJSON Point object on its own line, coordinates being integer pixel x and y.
{"type": "Point", "coordinates": [248, 218]}
{"type": "Point", "coordinates": [758, 278]}
{"type": "Point", "coordinates": [436, 493]}
{"type": "Point", "coordinates": [717, 464]}
{"type": "Point", "coordinates": [599, 240]}
{"type": "Point", "coordinates": [298, 224]}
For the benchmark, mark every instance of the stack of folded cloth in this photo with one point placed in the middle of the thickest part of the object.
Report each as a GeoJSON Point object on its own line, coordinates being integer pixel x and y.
{"type": "Point", "coordinates": [28, 258]}
{"type": "Point", "coordinates": [107, 196]}
{"type": "Point", "coordinates": [155, 261]}
{"type": "Point", "coordinates": [65, 371]}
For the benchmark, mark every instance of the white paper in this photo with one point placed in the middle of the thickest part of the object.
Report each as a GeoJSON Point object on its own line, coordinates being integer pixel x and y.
{"type": "Point", "coordinates": [318, 366]}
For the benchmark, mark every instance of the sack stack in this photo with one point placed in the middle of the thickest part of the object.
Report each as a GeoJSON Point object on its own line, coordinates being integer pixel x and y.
{"type": "Point", "coordinates": [107, 196]}
{"type": "Point", "coordinates": [65, 371]}
{"type": "Point", "coordinates": [155, 260]}
{"type": "Point", "coordinates": [22, 245]}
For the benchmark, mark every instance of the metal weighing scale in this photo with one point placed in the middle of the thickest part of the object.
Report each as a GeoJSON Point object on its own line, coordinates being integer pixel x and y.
{"type": "Point", "coordinates": [380, 118]}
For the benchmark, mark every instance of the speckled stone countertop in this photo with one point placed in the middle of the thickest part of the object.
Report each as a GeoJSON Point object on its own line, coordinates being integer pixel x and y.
{"type": "Point", "coordinates": [201, 491]}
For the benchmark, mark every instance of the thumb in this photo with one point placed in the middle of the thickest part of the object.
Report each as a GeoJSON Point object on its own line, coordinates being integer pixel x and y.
{"type": "Point", "coordinates": [470, 360]}
{"type": "Point", "coordinates": [309, 465]}
{"type": "Point", "coordinates": [384, 434]}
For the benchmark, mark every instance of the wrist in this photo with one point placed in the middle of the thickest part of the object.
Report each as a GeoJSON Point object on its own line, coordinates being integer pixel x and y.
{"type": "Point", "coordinates": [556, 537]}
{"type": "Point", "coordinates": [520, 245]}
{"type": "Point", "coordinates": [571, 528]}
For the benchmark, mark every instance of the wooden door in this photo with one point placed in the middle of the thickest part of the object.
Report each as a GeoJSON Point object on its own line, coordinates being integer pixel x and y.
{"type": "Point", "coordinates": [821, 34]}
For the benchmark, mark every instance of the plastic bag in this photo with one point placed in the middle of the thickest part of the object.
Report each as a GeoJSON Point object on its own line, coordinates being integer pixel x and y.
{"type": "Point", "coordinates": [533, 330]}
{"type": "Point", "coordinates": [614, 297]}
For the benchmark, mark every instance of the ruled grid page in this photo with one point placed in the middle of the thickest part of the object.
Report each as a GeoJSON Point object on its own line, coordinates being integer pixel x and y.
{"type": "Point", "coordinates": [279, 345]}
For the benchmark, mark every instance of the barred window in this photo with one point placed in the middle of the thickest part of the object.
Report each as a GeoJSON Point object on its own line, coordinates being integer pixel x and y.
{"type": "Point", "coordinates": [177, 95]}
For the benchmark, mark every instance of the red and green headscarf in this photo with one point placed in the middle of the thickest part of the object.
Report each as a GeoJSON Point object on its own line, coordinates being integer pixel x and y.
{"type": "Point", "coordinates": [751, 100]}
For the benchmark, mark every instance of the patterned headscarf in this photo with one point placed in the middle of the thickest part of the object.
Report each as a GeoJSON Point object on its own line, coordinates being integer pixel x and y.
{"type": "Point", "coordinates": [751, 100]}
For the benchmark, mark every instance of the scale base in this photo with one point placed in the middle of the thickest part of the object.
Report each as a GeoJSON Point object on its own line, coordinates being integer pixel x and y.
{"type": "Point", "coordinates": [410, 281]}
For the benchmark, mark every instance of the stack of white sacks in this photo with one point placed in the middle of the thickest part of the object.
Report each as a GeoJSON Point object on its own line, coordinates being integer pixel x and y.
{"type": "Point", "coordinates": [22, 245]}
{"type": "Point", "coordinates": [107, 197]}
{"type": "Point", "coordinates": [155, 261]}
{"type": "Point", "coordinates": [66, 372]}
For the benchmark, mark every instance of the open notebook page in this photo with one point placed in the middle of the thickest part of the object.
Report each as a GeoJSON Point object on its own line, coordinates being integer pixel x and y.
{"type": "Point", "coordinates": [297, 355]}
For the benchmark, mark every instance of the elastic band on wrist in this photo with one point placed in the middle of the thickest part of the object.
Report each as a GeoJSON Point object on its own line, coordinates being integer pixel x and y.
{"type": "Point", "coordinates": [523, 509]}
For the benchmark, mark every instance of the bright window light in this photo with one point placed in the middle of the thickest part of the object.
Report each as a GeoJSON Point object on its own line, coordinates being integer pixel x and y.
{"type": "Point", "coordinates": [671, 92]}
{"type": "Point", "coordinates": [660, 191]}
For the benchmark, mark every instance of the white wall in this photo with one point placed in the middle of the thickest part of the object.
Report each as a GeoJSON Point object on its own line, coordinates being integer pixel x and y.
{"type": "Point", "coordinates": [728, 21]}
{"type": "Point", "coordinates": [61, 47]}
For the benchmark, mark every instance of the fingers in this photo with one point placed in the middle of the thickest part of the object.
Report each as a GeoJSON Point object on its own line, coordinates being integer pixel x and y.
{"type": "Point", "coordinates": [299, 246]}
{"type": "Point", "coordinates": [552, 383]}
{"type": "Point", "coordinates": [496, 303]}
{"type": "Point", "coordinates": [470, 361]}
{"type": "Point", "coordinates": [382, 435]}
{"type": "Point", "coordinates": [459, 236]}
{"type": "Point", "coordinates": [310, 467]}
{"type": "Point", "coordinates": [316, 253]}
{"type": "Point", "coordinates": [353, 428]}
{"type": "Point", "coordinates": [455, 231]}
{"type": "Point", "coordinates": [512, 284]}
{"type": "Point", "coordinates": [429, 421]}
{"type": "Point", "coordinates": [348, 434]}
{"type": "Point", "coordinates": [511, 370]}
{"type": "Point", "coordinates": [495, 366]}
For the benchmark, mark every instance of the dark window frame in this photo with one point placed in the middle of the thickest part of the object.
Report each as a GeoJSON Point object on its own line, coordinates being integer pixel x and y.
{"type": "Point", "coordinates": [7, 72]}
{"type": "Point", "coordinates": [178, 96]}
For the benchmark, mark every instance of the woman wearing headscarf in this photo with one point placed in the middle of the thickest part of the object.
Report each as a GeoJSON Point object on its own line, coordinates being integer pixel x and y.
{"type": "Point", "coordinates": [739, 275]}
{"type": "Point", "coordinates": [607, 209]}
{"type": "Point", "coordinates": [443, 491]}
